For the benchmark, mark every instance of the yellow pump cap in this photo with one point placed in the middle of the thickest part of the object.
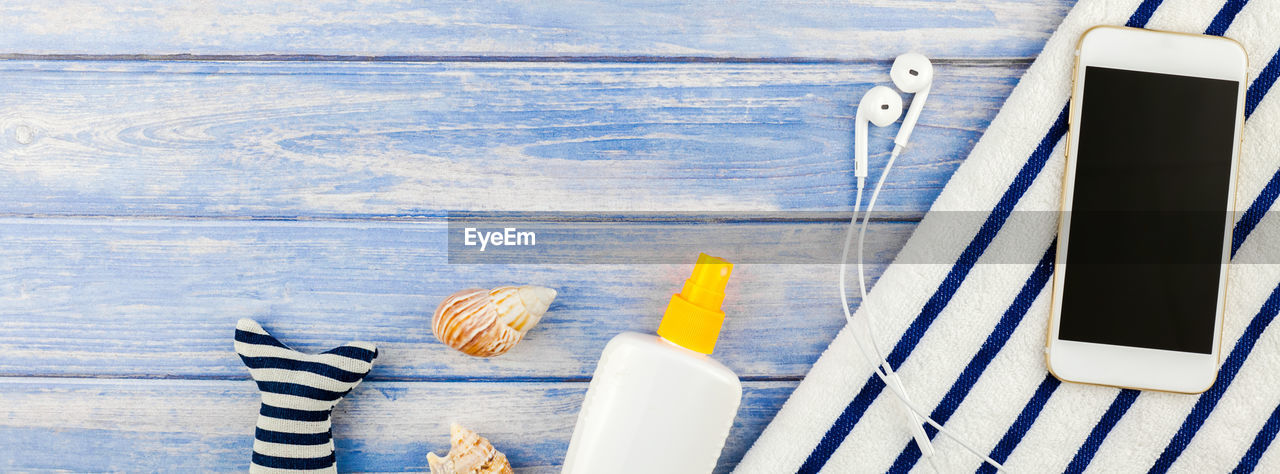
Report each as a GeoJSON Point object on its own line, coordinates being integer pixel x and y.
{"type": "Point", "coordinates": [693, 317]}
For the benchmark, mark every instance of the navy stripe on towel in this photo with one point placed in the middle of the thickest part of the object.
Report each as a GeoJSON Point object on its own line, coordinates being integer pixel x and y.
{"type": "Point", "coordinates": [305, 391]}
{"type": "Point", "coordinates": [907, 343]}
{"type": "Point", "coordinates": [1253, 96]}
{"type": "Point", "coordinates": [1224, 17]}
{"type": "Point", "coordinates": [1143, 14]}
{"type": "Point", "coordinates": [1260, 443]}
{"type": "Point", "coordinates": [1020, 425]}
{"type": "Point", "coordinates": [872, 388]}
{"type": "Point", "coordinates": [1257, 91]}
{"type": "Point", "coordinates": [1209, 399]}
{"type": "Point", "coordinates": [1118, 407]}
{"type": "Point", "coordinates": [1256, 210]}
{"type": "Point", "coordinates": [298, 439]}
{"type": "Point", "coordinates": [293, 414]}
{"type": "Point", "coordinates": [301, 464]}
{"type": "Point", "coordinates": [990, 347]}
{"type": "Point", "coordinates": [1261, 85]}
{"type": "Point", "coordinates": [318, 368]}
{"type": "Point", "coordinates": [1033, 407]}
{"type": "Point", "coordinates": [852, 413]}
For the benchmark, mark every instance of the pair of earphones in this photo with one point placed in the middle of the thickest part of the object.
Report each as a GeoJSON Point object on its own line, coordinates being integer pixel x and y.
{"type": "Point", "coordinates": [911, 73]}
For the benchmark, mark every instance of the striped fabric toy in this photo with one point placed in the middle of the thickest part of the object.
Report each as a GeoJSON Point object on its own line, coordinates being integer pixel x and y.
{"type": "Point", "coordinates": [299, 392]}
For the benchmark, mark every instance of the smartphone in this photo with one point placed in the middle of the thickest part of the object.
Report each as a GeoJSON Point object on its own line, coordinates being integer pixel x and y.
{"type": "Point", "coordinates": [1148, 202]}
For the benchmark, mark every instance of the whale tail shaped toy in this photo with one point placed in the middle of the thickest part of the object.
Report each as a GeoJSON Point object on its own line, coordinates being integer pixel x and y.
{"type": "Point", "coordinates": [299, 392]}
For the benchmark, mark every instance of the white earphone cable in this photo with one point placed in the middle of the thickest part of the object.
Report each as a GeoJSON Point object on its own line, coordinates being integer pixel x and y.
{"type": "Point", "coordinates": [884, 371]}
{"type": "Point", "coordinates": [882, 368]}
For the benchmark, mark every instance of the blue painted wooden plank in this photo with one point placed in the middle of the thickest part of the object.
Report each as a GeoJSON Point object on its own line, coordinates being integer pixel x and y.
{"type": "Point", "coordinates": [188, 426]}
{"type": "Point", "coordinates": [159, 298]}
{"type": "Point", "coordinates": [826, 29]}
{"type": "Point", "coordinates": [377, 139]}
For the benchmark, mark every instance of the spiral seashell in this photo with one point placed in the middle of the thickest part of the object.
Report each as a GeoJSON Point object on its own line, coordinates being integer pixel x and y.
{"type": "Point", "coordinates": [486, 323]}
{"type": "Point", "coordinates": [469, 453]}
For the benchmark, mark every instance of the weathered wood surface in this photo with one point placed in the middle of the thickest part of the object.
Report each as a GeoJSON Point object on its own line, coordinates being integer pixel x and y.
{"type": "Point", "coordinates": [834, 29]}
{"type": "Point", "coordinates": [207, 425]}
{"type": "Point", "coordinates": [151, 298]}
{"type": "Point", "coordinates": [375, 139]}
{"type": "Point", "coordinates": [299, 167]}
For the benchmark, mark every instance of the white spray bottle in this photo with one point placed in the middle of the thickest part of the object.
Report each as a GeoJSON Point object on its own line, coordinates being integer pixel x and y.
{"type": "Point", "coordinates": [660, 404]}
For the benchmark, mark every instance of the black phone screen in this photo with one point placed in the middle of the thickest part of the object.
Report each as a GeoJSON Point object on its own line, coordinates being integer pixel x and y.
{"type": "Point", "coordinates": [1149, 210]}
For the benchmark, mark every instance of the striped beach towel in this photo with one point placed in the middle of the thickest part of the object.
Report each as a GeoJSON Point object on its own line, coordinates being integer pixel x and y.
{"type": "Point", "coordinates": [967, 337]}
{"type": "Point", "coordinates": [299, 392]}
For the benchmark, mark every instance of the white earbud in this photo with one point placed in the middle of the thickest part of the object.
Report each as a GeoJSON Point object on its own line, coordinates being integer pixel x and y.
{"type": "Point", "coordinates": [912, 73]}
{"type": "Point", "coordinates": [881, 106]}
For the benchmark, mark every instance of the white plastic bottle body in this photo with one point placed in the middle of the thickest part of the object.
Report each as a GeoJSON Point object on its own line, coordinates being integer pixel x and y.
{"type": "Point", "coordinates": [653, 407]}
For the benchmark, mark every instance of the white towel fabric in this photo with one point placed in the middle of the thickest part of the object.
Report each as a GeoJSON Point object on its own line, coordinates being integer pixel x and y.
{"type": "Point", "coordinates": [968, 339]}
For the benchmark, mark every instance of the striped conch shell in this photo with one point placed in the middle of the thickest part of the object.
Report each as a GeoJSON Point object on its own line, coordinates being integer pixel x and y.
{"type": "Point", "coordinates": [469, 453]}
{"type": "Point", "coordinates": [486, 323]}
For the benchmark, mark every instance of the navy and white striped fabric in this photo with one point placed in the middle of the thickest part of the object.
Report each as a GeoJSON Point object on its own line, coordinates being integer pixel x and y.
{"type": "Point", "coordinates": [968, 337]}
{"type": "Point", "coordinates": [299, 392]}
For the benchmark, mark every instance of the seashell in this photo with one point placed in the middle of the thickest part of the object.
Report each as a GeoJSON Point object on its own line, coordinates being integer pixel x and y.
{"type": "Point", "coordinates": [469, 453]}
{"type": "Point", "coordinates": [486, 323]}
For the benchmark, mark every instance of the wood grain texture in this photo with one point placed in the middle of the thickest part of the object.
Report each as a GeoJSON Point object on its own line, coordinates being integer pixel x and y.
{"type": "Point", "coordinates": [207, 426]}
{"type": "Point", "coordinates": [159, 299]}
{"type": "Point", "coordinates": [790, 29]}
{"type": "Point", "coordinates": [298, 168]}
{"type": "Point", "coordinates": [378, 139]}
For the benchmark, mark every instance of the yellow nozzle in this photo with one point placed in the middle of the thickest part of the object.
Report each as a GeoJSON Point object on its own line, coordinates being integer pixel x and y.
{"type": "Point", "coordinates": [694, 317]}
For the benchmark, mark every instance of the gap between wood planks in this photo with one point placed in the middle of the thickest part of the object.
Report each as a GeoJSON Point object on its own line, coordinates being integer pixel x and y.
{"type": "Point", "coordinates": [642, 59]}
{"type": "Point", "coordinates": [438, 217]}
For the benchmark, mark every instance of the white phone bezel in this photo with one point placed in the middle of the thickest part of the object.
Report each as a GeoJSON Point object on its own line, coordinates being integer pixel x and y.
{"type": "Point", "coordinates": [1123, 366]}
